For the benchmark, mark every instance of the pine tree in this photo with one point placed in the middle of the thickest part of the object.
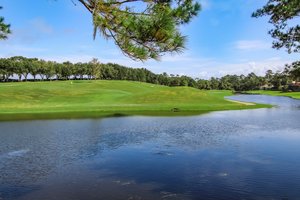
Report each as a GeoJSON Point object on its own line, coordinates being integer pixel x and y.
{"type": "Point", "coordinates": [284, 15]}
{"type": "Point", "coordinates": [142, 29]}
{"type": "Point", "coordinates": [4, 28]}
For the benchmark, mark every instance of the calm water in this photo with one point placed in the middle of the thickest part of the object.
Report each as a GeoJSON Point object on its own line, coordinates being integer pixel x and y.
{"type": "Point", "coordinates": [249, 154]}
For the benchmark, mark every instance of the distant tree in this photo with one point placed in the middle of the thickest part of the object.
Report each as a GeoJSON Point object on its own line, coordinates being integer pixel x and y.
{"type": "Point", "coordinates": [58, 70]}
{"type": "Point", "coordinates": [192, 82]}
{"type": "Point", "coordinates": [78, 70]}
{"type": "Point", "coordinates": [174, 80]}
{"type": "Point", "coordinates": [49, 70]}
{"type": "Point", "coordinates": [95, 68]}
{"type": "Point", "coordinates": [268, 77]}
{"type": "Point", "coordinates": [286, 32]}
{"type": "Point", "coordinates": [203, 84]}
{"type": "Point", "coordinates": [235, 82]}
{"type": "Point", "coordinates": [139, 76]}
{"type": "Point", "coordinates": [108, 72]}
{"type": "Point", "coordinates": [277, 80]}
{"type": "Point", "coordinates": [26, 68]}
{"type": "Point", "coordinates": [3, 69]}
{"type": "Point", "coordinates": [251, 82]}
{"type": "Point", "coordinates": [42, 68]}
{"type": "Point", "coordinates": [163, 79]}
{"type": "Point", "coordinates": [184, 81]}
{"type": "Point", "coordinates": [4, 28]}
{"type": "Point", "coordinates": [18, 66]}
{"type": "Point", "coordinates": [214, 83]}
{"type": "Point", "coordinates": [294, 70]}
{"type": "Point", "coordinates": [67, 70]}
{"type": "Point", "coordinates": [34, 68]}
{"type": "Point", "coordinates": [225, 83]}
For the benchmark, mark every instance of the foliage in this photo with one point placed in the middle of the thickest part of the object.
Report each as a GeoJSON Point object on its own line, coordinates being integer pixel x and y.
{"type": "Point", "coordinates": [293, 70]}
{"type": "Point", "coordinates": [282, 13]}
{"type": "Point", "coordinates": [4, 28]}
{"type": "Point", "coordinates": [32, 69]}
{"type": "Point", "coordinates": [146, 29]}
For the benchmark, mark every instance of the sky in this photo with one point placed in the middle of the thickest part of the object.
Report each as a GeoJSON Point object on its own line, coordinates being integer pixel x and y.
{"type": "Point", "coordinates": [222, 39]}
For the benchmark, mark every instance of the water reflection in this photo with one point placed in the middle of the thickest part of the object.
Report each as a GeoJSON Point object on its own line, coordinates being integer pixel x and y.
{"type": "Point", "coordinates": [249, 154]}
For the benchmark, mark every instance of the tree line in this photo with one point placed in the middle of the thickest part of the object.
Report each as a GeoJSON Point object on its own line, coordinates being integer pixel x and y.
{"type": "Point", "coordinates": [19, 68]}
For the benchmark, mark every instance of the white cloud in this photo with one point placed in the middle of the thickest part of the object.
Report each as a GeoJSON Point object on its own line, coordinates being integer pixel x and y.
{"type": "Point", "coordinates": [41, 25]}
{"type": "Point", "coordinates": [204, 67]}
{"type": "Point", "coordinates": [214, 22]}
{"type": "Point", "coordinates": [30, 33]}
{"type": "Point", "coordinates": [251, 45]}
{"type": "Point", "coordinates": [9, 50]}
{"type": "Point", "coordinates": [24, 49]}
{"type": "Point", "coordinates": [205, 4]}
{"type": "Point", "coordinates": [70, 57]}
{"type": "Point", "coordinates": [259, 67]}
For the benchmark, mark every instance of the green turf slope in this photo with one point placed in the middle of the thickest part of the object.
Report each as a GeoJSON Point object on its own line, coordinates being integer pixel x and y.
{"type": "Point", "coordinates": [81, 99]}
{"type": "Point", "coordinates": [295, 95]}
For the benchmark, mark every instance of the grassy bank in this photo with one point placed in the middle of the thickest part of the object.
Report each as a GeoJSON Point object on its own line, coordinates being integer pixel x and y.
{"type": "Point", "coordinates": [295, 95]}
{"type": "Point", "coordinates": [84, 99]}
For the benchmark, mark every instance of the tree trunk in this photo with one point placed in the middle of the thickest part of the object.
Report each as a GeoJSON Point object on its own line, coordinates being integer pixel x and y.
{"type": "Point", "coordinates": [25, 76]}
{"type": "Point", "coordinates": [6, 77]}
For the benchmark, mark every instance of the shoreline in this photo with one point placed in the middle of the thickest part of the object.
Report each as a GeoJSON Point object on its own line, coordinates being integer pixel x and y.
{"type": "Point", "coordinates": [107, 114]}
{"type": "Point", "coordinates": [293, 95]}
{"type": "Point", "coordinates": [109, 98]}
{"type": "Point", "coordinates": [242, 102]}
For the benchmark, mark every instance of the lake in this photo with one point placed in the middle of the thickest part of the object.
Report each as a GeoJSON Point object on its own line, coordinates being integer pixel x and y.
{"type": "Point", "coordinates": [246, 154]}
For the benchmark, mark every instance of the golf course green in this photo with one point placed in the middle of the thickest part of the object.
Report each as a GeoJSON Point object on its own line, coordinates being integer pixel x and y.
{"type": "Point", "coordinates": [88, 99]}
{"type": "Point", "coordinates": [295, 95]}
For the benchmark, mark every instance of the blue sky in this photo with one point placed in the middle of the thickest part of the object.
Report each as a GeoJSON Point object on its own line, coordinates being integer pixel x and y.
{"type": "Point", "coordinates": [223, 39]}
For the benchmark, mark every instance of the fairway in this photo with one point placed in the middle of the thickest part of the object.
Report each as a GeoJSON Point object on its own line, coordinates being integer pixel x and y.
{"type": "Point", "coordinates": [85, 99]}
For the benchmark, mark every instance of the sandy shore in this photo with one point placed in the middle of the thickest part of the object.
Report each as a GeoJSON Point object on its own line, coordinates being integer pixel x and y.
{"type": "Point", "coordinates": [241, 102]}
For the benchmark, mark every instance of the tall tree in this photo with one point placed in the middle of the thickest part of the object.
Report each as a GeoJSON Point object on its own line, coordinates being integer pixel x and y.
{"type": "Point", "coordinates": [95, 68]}
{"type": "Point", "coordinates": [34, 68]}
{"type": "Point", "coordinates": [49, 70]}
{"type": "Point", "coordinates": [142, 29]}
{"type": "Point", "coordinates": [4, 28]}
{"type": "Point", "coordinates": [294, 70]}
{"type": "Point", "coordinates": [283, 15]}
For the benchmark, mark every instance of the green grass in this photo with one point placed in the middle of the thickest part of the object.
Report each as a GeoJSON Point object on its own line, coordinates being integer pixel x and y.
{"type": "Point", "coordinates": [295, 95]}
{"type": "Point", "coordinates": [86, 99]}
